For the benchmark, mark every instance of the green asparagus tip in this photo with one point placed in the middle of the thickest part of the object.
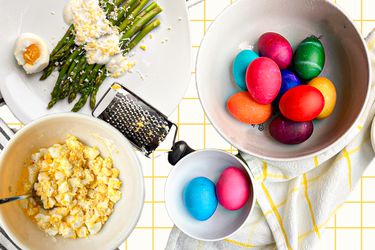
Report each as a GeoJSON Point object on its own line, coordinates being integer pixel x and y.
{"type": "Point", "coordinates": [51, 103]}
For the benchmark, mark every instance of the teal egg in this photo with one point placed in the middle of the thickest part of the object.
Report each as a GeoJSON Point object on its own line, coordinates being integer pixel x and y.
{"type": "Point", "coordinates": [200, 199]}
{"type": "Point", "coordinates": [309, 59]}
{"type": "Point", "coordinates": [239, 67]}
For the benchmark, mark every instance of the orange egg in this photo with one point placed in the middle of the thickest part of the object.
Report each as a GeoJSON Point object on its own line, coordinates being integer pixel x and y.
{"type": "Point", "coordinates": [328, 90]}
{"type": "Point", "coordinates": [246, 110]}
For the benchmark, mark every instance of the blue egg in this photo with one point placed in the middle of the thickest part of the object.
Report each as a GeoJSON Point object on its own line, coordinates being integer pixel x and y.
{"type": "Point", "coordinates": [200, 198]}
{"type": "Point", "coordinates": [239, 67]}
{"type": "Point", "coordinates": [289, 80]}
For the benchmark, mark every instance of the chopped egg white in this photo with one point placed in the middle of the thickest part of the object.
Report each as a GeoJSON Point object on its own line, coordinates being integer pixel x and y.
{"type": "Point", "coordinates": [31, 52]}
{"type": "Point", "coordinates": [89, 20]}
{"type": "Point", "coordinates": [118, 65]}
{"type": "Point", "coordinates": [101, 50]}
{"type": "Point", "coordinates": [101, 39]}
{"type": "Point", "coordinates": [79, 186]}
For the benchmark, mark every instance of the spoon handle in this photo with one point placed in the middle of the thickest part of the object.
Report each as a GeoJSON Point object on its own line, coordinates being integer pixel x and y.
{"type": "Point", "coordinates": [14, 198]}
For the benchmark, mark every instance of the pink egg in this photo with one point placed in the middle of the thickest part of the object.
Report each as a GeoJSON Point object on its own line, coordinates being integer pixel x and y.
{"type": "Point", "coordinates": [233, 188]}
{"type": "Point", "coordinates": [276, 47]}
{"type": "Point", "coordinates": [263, 80]}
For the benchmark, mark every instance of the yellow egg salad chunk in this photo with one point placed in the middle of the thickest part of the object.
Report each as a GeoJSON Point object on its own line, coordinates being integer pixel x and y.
{"type": "Point", "coordinates": [77, 186]}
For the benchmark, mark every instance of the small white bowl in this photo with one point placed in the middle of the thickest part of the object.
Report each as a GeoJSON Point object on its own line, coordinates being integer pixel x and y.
{"type": "Point", "coordinates": [207, 163]}
{"type": "Point", "coordinates": [52, 129]}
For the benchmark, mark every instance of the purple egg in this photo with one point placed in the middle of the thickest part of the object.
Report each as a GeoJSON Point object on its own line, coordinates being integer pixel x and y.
{"type": "Point", "coordinates": [288, 80]}
{"type": "Point", "coordinates": [290, 132]}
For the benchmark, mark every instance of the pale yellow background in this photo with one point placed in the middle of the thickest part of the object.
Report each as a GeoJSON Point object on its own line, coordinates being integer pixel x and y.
{"type": "Point", "coordinates": [353, 227]}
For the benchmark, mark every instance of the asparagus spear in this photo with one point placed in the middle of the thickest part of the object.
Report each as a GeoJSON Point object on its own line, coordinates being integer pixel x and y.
{"type": "Point", "coordinates": [85, 93]}
{"type": "Point", "coordinates": [142, 34]}
{"type": "Point", "coordinates": [56, 90]}
{"type": "Point", "coordinates": [63, 40]}
{"type": "Point", "coordinates": [132, 15]}
{"type": "Point", "coordinates": [147, 29]}
{"type": "Point", "coordinates": [140, 22]}
{"type": "Point", "coordinates": [124, 10]}
{"type": "Point", "coordinates": [65, 87]}
{"type": "Point", "coordinates": [78, 85]}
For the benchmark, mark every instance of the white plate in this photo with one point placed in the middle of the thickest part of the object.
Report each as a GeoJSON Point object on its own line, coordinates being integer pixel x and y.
{"type": "Point", "coordinates": [165, 66]}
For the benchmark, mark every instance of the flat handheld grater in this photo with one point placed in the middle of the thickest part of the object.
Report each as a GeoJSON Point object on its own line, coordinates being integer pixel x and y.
{"type": "Point", "coordinates": [142, 124]}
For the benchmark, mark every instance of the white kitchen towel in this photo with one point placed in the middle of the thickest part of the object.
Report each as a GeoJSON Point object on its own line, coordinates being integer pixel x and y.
{"type": "Point", "coordinates": [295, 200]}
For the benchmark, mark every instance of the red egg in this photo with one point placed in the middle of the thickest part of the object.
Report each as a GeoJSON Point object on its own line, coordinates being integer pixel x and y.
{"type": "Point", "coordinates": [302, 103]}
{"type": "Point", "coordinates": [276, 47]}
{"type": "Point", "coordinates": [263, 80]}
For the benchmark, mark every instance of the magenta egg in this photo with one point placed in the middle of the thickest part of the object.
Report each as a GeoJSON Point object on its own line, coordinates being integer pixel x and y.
{"type": "Point", "coordinates": [263, 80]}
{"type": "Point", "coordinates": [276, 47]}
{"type": "Point", "coordinates": [233, 188]}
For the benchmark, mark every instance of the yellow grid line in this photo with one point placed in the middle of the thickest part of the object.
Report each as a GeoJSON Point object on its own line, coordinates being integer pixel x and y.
{"type": "Point", "coordinates": [152, 228]}
{"type": "Point", "coordinates": [153, 201]}
{"type": "Point", "coordinates": [335, 233]}
{"type": "Point", "coordinates": [361, 2]}
{"type": "Point", "coordinates": [361, 185]}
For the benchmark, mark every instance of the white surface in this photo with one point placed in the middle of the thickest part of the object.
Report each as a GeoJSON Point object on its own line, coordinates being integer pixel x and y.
{"type": "Point", "coordinates": [347, 65]}
{"type": "Point", "coordinates": [166, 66]}
{"type": "Point", "coordinates": [209, 164]}
{"type": "Point", "coordinates": [54, 129]}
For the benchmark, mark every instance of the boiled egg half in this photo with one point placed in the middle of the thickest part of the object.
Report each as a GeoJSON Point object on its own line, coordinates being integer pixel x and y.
{"type": "Point", "coordinates": [31, 52]}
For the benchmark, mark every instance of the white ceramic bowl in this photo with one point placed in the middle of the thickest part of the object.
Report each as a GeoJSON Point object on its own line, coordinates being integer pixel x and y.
{"type": "Point", "coordinates": [210, 164]}
{"type": "Point", "coordinates": [347, 65]}
{"type": "Point", "coordinates": [94, 132]}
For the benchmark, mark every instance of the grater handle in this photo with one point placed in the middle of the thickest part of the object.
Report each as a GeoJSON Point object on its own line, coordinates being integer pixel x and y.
{"type": "Point", "coordinates": [179, 150]}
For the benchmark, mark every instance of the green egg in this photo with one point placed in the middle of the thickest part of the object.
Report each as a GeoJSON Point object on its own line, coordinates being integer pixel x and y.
{"type": "Point", "coordinates": [309, 58]}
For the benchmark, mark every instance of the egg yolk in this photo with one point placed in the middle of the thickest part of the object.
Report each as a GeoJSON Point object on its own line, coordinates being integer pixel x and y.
{"type": "Point", "coordinates": [31, 54]}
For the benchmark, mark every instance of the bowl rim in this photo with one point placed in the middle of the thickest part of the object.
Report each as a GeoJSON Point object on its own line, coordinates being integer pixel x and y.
{"type": "Point", "coordinates": [186, 158]}
{"type": "Point", "coordinates": [295, 158]}
{"type": "Point", "coordinates": [33, 124]}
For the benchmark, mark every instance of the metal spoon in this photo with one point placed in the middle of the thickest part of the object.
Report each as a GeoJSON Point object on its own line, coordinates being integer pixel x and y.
{"type": "Point", "coordinates": [33, 194]}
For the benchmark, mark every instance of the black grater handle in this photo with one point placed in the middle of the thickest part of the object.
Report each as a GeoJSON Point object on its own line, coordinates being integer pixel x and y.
{"type": "Point", "coordinates": [179, 150]}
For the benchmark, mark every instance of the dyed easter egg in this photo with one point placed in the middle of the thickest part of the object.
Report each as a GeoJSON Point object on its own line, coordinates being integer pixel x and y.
{"type": "Point", "coordinates": [288, 80]}
{"type": "Point", "coordinates": [302, 103]}
{"type": "Point", "coordinates": [276, 47]}
{"type": "Point", "coordinates": [245, 109]}
{"type": "Point", "coordinates": [240, 64]}
{"type": "Point", "coordinates": [233, 188]}
{"type": "Point", "coordinates": [309, 58]}
{"type": "Point", "coordinates": [326, 87]}
{"type": "Point", "coordinates": [263, 80]}
{"type": "Point", "coordinates": [290, 132]}
{"type": "Point", "coordinates": [200, 198]}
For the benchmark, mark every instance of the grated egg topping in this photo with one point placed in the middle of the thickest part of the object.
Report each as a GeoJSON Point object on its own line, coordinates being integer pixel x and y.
{"type": "Point", "coordinates": [89, 21]}
{"type": "Point", "coordinates": [77, 186]}
{"type": "Point", "coordinates": [100, 38]}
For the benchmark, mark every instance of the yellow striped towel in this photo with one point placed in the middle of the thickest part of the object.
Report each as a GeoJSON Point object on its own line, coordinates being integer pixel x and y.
{"type": "Point", "coordinates": [295, 200]}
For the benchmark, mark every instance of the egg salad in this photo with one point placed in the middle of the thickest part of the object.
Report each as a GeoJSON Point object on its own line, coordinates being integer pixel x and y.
{"type": "Point", "coordinates": [77, 186]}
